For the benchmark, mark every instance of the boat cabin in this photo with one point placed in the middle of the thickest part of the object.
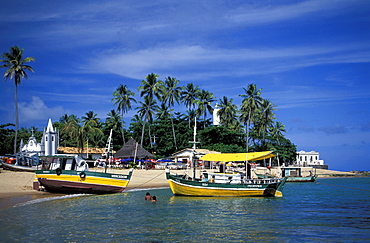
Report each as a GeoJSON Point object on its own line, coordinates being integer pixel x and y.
{"type": "Point", "coordinates": [291, 172]}
{"type": "Point", "coordinates": [65, 162]}
{"type": "Point", "coordinates": [225, 178]}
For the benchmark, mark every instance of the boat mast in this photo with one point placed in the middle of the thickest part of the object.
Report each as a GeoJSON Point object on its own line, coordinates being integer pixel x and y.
{"type": "Point", "coordinates": [194, 142]}
{"type": "Point", "coordinates": [109, 144]}
{"type": "Point", "coordinates": [108, 148]}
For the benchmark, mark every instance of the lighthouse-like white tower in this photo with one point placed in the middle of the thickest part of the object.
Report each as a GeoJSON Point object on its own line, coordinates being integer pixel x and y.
{"type": "Point", "coordinates": [216, 117]}
{"type": "Point", "coordinates": [50, 140]}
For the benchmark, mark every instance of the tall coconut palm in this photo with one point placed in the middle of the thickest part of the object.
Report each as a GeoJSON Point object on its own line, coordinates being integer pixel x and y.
{"type": "Point", "coordinates": [90, 115]}
{"type": "Point", "coordinates": [204, 103]}
{"type": "Point", "coordinates": [171, 94]}
{"type": "Point", "coordinates": [189, 95]}
{"type": "Point", "coordinates": [251, 102]}
{"type": "Point", "coordinates": [266, 117]}
{"type": "Point", "coordinates": [71, 130]}
{"type": "Point", "coordinates": [63, 119]}
{"type": "Point", "coordinates": [92, 126]}
{"type": "Point", "coordinates": [171, 91]}
{"type": "Point", "coordinates": [146, 112]}
{"type": "Point", "coordinates": [123, 98]}
{"type": "Point", "coordinates": [277, 130]}
{"type": "Point", "coordinates": [227, 113]}
{"type": "Point", "coordinates": [151, 87]}
{"type": "Point", "coordinates": [114, 122]}
{"type": "Point", "coordinates": [16, 68]}
{"type": "Point", "coordinates": [164, 112]}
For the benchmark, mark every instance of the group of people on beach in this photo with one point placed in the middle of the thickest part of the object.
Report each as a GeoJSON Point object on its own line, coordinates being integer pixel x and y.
{"type": "Point", "coordinates": [148, 197]}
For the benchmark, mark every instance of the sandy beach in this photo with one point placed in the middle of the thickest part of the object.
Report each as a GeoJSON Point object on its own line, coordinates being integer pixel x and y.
{"type": "Point", "coordinates": [17, 187]}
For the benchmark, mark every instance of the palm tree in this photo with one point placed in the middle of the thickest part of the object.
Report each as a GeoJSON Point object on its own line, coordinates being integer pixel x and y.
{"type": "Point", "coordinates": [70, 130]}
{"type": "Point", "coordinates": [205, 103]}
{"type": "Point", "coordinates": [92, 125]}
{"type": "Point", "coordinates": [90, 115]}
{"type": "Point", "coordinates": [123, 98]}
{"type": "Point", "coordinates": [114, 122]}
{"type": "Point", "coordinates": [227, 112]}
{"type": "Point", "coordinates": [171, 94]}
{"type": "Point", "coordinates": [151, 87]}
{"type": "Point", "coordinates": [146, 112]}
{"type": "Point", "coordinates": [16, 68]}
{"type": "Point", "coordinates": [163, 112]}
{"type": "Point", "coordinates": [251, 102]}
{"type": "Point", "coordinates": [189, 95]}
{"type": "Point", "coordinates": [277, 130]}
{"type": "Point", "coordinates": [63, 119]}
{"type": "Point", "coordinates": [266, 117]}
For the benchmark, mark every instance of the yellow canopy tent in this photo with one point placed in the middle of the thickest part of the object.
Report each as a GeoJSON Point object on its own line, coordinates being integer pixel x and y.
{"type": "Point", "coordinates": [229, 157]}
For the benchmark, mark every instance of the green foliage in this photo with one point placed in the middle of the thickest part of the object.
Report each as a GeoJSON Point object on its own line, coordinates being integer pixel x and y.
{"type": "Point", "coordinates": [163, 132]}
{"type": "Point", "coordinates": [6, 139]}
{"type": "Point", "coordinates": [220, 135]}
{"type": "Point", "coordinates": [226, 148]}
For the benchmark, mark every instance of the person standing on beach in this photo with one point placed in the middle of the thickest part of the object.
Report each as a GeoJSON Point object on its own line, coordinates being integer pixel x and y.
{"type": "Point", "coordinates": [148, 197]}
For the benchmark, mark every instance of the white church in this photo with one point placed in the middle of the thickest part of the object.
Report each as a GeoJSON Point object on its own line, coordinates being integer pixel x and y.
{"type": "Point", "coordinates": [47, 146]}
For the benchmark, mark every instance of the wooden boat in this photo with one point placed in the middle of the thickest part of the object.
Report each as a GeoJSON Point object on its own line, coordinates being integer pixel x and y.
{"type": "Point", "coordinates": [235, 184]}
{"type": "Point", "coordinates": [294, 174]}
{"type": "Point", "coordinates": [15, 167]}
{"type": "Point", "coordinates": [264, 176]}
{"type": "Point", "coordinates": [27, 162]}
{"type": "Point", "coordinates": [69, 174]}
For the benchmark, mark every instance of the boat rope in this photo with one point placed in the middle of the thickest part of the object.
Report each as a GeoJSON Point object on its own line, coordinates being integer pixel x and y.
{"type": "Point", "coordinates": [343, 186]}
{"type": "Point", "coordinates": [148, 180]}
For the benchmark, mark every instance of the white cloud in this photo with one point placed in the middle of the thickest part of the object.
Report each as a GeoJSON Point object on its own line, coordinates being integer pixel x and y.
{"type": "Point", "coordinates": [196, 59]}
{"type": "Point", "coordinates": [254, 15]}
{"type": "Point", "coordinates": [37, 110]}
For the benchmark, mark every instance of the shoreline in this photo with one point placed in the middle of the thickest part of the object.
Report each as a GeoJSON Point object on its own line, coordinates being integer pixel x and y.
{"type": "Point", "coordinates": [17, 187]}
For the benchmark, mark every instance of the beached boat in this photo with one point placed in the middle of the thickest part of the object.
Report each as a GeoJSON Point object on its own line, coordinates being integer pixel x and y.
{"type": "Point", "coordinates": [70, 174]}
{"type": "Point", "coordinates": [23, 161]}
{"type": "Point", "coordinates": [234, 184]}
{"type": "Point", "coordinates": [15, 167]}
{"type": "Point", "coordinates": [294, 174]}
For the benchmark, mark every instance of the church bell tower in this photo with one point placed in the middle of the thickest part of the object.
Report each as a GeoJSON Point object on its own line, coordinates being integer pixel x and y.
{"type": "Point", "coordinates": [50, 139]}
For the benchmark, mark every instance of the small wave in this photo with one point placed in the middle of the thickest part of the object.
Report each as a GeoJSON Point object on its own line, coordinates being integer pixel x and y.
{"type": "Point", "coordinates": [45, 199]}
{"type": "Point", "coordinates": [145, 189]}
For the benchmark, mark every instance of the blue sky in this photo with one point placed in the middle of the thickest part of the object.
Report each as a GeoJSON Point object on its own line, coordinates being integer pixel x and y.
{"type": "Point", "coordinates": [311, 59]}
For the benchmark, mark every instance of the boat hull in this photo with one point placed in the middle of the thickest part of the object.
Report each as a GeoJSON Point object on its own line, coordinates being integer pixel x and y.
{"type": "Point", "coordinates": [185, 187]}
{"type": "Point", "coordinates": [19, 167]}
{"type": "Point", "coordinates": [82, 182]}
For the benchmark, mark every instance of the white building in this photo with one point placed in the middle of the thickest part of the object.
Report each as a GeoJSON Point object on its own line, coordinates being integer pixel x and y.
{"type": "Point", "coordinates": [32, 146]}
{"type": "Point", "coordinates": [309, 158]}
{"type": "Point", "coordinates": [50, 140]}
{"type": "Point", "coordinates": [187, 156]}
{"type": "Point", "coordinates": [216, 117]}
{"type": "Point", "coordinates": [48, 144]}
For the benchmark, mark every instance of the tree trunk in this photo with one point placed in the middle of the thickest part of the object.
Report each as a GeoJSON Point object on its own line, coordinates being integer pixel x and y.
{"type": "Point", "coordinates": [173, 132]}
{"type": "Point", "coordinates": [16, 117]}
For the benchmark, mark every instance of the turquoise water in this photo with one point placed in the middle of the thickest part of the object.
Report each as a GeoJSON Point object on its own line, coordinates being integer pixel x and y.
{"type": "Point", "coordinates": [332, 210]}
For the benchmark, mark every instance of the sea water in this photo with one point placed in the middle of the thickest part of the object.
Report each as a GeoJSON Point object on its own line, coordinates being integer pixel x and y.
{"type": "Point", "coordinates": [331, 210]}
